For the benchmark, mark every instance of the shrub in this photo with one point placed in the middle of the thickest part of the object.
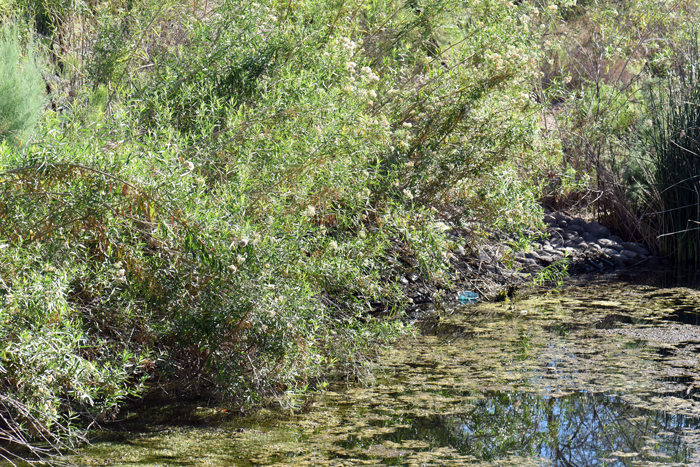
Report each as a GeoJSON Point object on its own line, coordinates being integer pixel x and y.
{"type": "Point", "coordinates": [21, 85]}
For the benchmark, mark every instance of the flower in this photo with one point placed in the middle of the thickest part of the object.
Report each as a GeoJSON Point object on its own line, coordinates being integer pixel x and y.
{"type": "Point", "coordinates": [189, 165]}
{"type": "Point", "coordinates": [553, 7]}
{"type": "Point", "coordinates": [233, 268]}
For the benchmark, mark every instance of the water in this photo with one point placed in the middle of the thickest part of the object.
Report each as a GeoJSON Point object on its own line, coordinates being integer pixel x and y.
{"type": "Point", "coordinates": [603, 374]}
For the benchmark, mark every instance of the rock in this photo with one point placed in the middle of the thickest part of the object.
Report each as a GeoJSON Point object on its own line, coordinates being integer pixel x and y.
{"type": "Point", "coordinates": [562, 223]}
{"type": "Point", "coordinates": [610, 252]}
{"type": "Point", "coordinates": [576, 228]}
{"type": "Point", "coordinates": [549, 249]}
{"type": "Point", "coordinates": [615, 238]}
{"type": "Point", "coordinates": [651, 262]}
{"type": "Point", "coordinates": [607, 243]}
{"type": "Point", "coordinates": [629, 254]}
{"type": "Point", "coordinates": [550, 220]}
{"type": "Point", "coordinates": [577, 221]}
{"type": "Point", "coordinates": [560, 216]}
{"type": "Point", "coordinates": [547, 259]}
{"type": "Point", "coordinates": [636, 247]}
{"type": "Point", "coordinates": [595, 246]}
{"type": "Point", "coordinates": [597, 229]}
{"type": "Point", "coordinates": [590, 238]}
{"type": "Point", "coordinates": [569, 252]}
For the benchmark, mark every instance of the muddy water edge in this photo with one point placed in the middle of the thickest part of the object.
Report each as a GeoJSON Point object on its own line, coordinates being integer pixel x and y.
{"type": "Point", "coordinates": [603, 373]}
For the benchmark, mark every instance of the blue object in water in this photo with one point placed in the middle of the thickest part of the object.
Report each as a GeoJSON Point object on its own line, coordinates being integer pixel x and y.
{"type": "Point", "coordinates": [467, 297]}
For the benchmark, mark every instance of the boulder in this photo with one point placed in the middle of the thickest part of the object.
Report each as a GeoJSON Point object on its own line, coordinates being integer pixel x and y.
{"type": "Point", "coordinates": [629, 254]}
{"type": "Point", "coordinates": [636, 247]}
{"type": "Point", "coordinates": [590, 238]}
{"type": "Point", "coordinates": [576, 228]}
{"type": "Point", "coordinates": [597, 229]}
{"type": "Point", "coordinates": [610, 252]}
{"type": "Point", "coordinates": [550, 220]}
{"type": "Point", "coordinates": [577, 221]}
{"type": "Point", "coordinates": [607, 243]}
{"type": "Point", "coordinates": [615, 238]}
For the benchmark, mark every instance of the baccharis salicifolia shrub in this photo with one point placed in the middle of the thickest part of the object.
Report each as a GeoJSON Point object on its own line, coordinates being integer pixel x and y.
{"type": "Point", "coordinates": [268, 172]}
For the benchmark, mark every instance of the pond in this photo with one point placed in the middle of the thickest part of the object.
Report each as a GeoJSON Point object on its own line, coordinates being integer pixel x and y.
{"type": "Point", "coordinates": [604, 373]}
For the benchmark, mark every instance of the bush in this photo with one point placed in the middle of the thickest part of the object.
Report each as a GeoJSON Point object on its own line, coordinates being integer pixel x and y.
{"type": "Point", "coordinates": [21, 85]}
{"type": "Point", "coordinates": [243, 209]}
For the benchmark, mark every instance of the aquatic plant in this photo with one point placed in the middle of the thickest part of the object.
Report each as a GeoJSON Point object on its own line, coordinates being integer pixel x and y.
{"type": "Point", "coordinates": [675, 138]}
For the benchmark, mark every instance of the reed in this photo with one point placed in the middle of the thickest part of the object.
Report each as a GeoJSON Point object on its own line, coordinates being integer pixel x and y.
{"type": "Point", "coordinates": [675, 113]}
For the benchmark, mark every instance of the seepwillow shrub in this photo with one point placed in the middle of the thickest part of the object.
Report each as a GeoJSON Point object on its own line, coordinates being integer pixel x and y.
{"type": "Point", "coordinates": [674, 109]}
{"type": "Point", "coordinates": [240, 219]}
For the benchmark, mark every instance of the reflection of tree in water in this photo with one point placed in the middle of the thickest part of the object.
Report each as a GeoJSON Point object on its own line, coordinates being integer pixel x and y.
{"type": "Point", "coordinates": [573, 430]}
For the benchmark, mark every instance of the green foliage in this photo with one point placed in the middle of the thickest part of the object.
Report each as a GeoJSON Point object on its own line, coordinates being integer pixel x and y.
{"type": "Point", "coordinates": [237, 190]}
{"type": "Point", "coordinates": [21, 85]}
{"type": "Point", "coordinates": [675, 137]}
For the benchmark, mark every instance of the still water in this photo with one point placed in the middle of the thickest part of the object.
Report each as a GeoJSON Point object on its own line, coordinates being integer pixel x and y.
{"type": "Point", "coordinates": [604, 373]}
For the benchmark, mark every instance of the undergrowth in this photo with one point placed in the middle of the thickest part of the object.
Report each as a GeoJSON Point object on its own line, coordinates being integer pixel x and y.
{"type": "Point", "coordinates": [220, 198]}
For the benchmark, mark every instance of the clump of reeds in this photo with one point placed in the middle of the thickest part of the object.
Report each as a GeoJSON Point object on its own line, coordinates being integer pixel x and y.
{"type": "Point", "coordinates": [675, 139]}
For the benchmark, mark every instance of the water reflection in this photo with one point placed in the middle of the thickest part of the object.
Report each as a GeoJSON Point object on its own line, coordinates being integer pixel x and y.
{"type": "Point", "coordinates": [577, 429]}
{"type": "Point", "coordinates": [602, 375]}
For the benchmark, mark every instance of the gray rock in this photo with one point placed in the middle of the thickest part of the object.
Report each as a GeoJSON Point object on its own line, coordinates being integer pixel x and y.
{"type": "Point", "coordinates": [590, 238]}
{"type": "Point", "coordinates": [562, 223]}
{"type": "Point", "coordinates": [550, 220]}
{"type": "Point", "coordinates": [595, 246]}
{"type": "Point", "coordinates": [651, 262]}
{"type": "Point", "coordinates": [569, 252]}
{"type": "Point", "coordinates": [629, 254]}
{"type": "Point", "coordinates": [615, 238]}
{"type": "Point", "coordinates": [547, 258]}
{"type": "Point", "coordinates": [577, 221]}
{"type": "Point", "coordinates": [597, 229]}
{"type": "Point", "coordinates": [549, 249]}
{"type": "Point", "coordinates": [607, 243]}
{"type": "Point", "coordinates": [559, 216]}
{"type": "Point", "coordinates": [636, 247]}
{"type": "Point", "coordinates": [576, 228]}
{"type": "Point", "coordinates": [610, 252]}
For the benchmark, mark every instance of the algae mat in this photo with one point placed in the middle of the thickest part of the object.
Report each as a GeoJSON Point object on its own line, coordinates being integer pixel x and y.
{"type": "Point", "coordinates": [604, 374]}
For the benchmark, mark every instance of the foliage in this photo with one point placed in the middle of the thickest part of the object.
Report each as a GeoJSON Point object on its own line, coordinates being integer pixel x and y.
{"type": "Point", "coordinates": [675, 168]}
{"type": "Point", "coordinates": [21, 85]}
{"type": "Point", "coordinates": [231, 198]}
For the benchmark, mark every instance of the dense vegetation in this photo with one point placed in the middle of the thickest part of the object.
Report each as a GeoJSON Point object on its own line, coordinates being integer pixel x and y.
{"type": "Point", "coordinates": [218, 198]}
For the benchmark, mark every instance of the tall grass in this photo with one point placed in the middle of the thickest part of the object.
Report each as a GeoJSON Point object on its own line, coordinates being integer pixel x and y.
{"type": "Point", "coordinates": [675, 113]}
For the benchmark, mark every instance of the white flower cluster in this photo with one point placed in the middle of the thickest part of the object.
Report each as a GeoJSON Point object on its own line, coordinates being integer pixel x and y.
{"type": "Point", "coordinates": [368, 74]}
{"type": "Point", "coordinates": [349, 45]}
